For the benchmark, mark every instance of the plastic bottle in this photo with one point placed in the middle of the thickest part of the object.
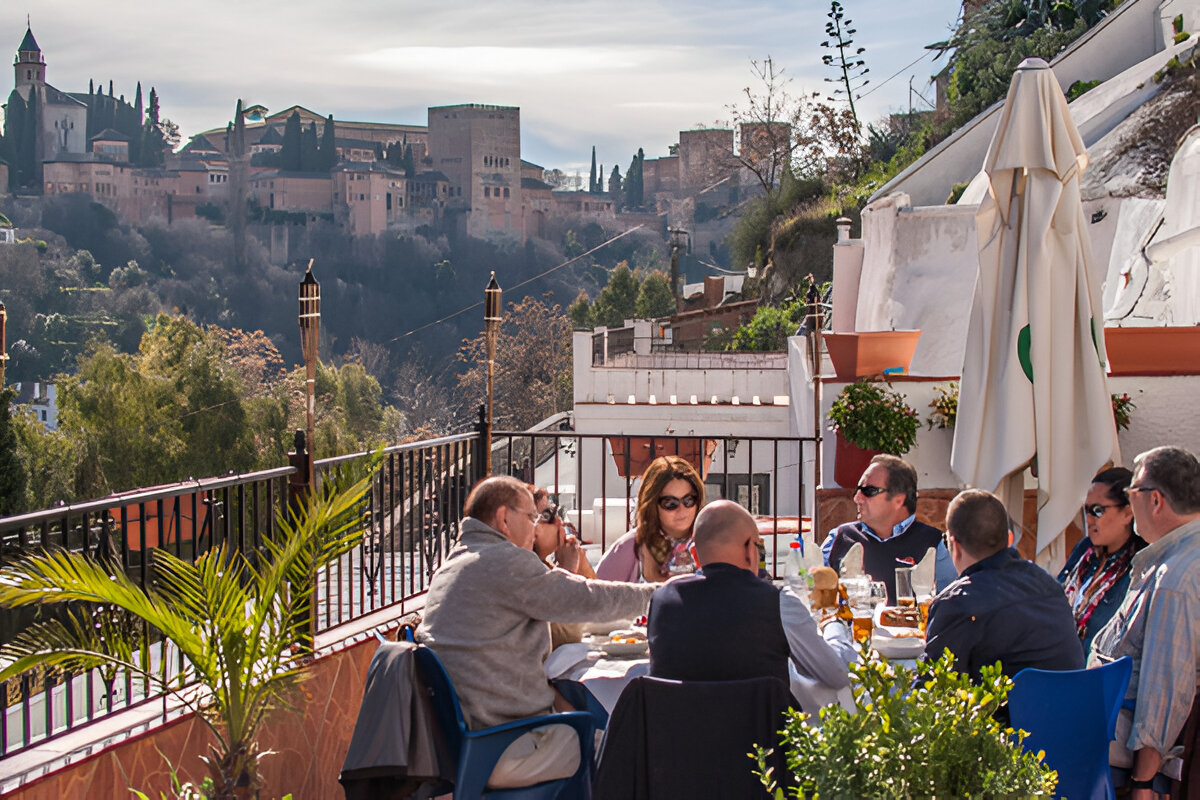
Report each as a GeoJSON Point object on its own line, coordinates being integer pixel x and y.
{"type": "Point", "coordinates": [795, 573]}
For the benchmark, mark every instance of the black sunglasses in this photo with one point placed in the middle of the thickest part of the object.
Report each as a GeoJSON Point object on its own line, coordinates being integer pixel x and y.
{"type": "Point", "coordinates": [1097, 510]}
{"type": "Point", "coordinates": [668, 503]}
{"type": "Point", "coordinates": [547, 514]}
{"type": "Point", "coordinates": [870, 491]}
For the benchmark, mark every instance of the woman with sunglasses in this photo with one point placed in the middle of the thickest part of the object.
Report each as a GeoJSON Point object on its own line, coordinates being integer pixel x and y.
{"type": "Point", "coordinates": [1096, 574]}
{"type": "Point", "coordinates": [671, 495]}
{"type": "Point", "coordinates": [550, 533]}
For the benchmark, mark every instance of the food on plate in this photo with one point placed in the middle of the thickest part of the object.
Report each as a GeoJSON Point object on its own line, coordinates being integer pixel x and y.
{"type": "Point", "coordinates": [900, 618]}
{"type": "Point", "coordinates": [625, 636]}
{"type": "Point", "coordinates": [825, 587]}
{"type": "Point", "coordinates": [908, 633]}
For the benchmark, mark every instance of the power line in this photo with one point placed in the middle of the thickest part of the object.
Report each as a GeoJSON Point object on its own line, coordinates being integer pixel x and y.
{"type": "Point", "coordinates": [898, 72]}
{"type": "Point", "coordinates": [522, 283]}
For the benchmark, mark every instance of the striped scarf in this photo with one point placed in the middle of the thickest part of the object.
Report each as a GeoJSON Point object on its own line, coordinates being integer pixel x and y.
{"type": "Point", "coordinates": [1092, 576]}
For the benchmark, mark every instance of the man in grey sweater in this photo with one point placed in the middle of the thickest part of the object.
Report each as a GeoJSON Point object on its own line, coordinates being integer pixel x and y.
{"type": "Point", "coordinates": [487, 617]}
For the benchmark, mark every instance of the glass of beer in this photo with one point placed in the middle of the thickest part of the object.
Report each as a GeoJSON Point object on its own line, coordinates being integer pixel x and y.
{"type": "Point", "coordinates": [862, 624]}
{"type": "Point", "coordinates": [923, 606]}
{"type": "Point", "coordinates": [905, 596]}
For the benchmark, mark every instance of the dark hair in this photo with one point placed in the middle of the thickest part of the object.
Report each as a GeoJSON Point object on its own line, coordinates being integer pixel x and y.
{"type": "Point", "coordinates": [1117, 479]}
{"type": "Point", "coordinates": [1176, 473]}
{"type": "Point", "coordinates": [662, 471]}
{"type": "Point", "coordinates": [491, 494]}
{"type": "Point", "coordinates": [539, 494]}
{"type": "Point", "coordinates": [978, 521]}
{"type": "Point", "coordinates": [901, 478]}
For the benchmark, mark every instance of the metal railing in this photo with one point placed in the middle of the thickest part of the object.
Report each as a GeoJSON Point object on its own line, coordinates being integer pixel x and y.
{"type": "Point", "coordinates": [413, 513]}
{"type": "Point", "coordinates": [415, 507]}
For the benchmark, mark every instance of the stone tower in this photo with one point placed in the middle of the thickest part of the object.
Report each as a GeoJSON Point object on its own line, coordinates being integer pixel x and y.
{"type": "Point", "coordinates": [30, 68]}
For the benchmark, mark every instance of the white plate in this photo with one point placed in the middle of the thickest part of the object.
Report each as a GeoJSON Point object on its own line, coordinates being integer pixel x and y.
{"type": "Point", "coordinates": [625, 649]}
{"type": "Point", "coordinates": [903, 647]}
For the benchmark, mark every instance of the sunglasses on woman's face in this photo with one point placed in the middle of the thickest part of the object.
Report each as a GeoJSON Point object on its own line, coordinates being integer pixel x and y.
{"type": "Point", "coordinates": [668, 503]}
{"type": "Point", "coordinates": [547, 514]}
{"type": "Point", "coordinates": [1097, 510]}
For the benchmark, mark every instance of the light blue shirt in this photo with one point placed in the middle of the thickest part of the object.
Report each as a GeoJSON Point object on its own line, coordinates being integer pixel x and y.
{"type": "Point", "coordinates": [944, 572]}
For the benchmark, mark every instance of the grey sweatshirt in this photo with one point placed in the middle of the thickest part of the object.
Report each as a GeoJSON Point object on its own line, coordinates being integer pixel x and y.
{"type": "Point", "coordinates": [487, 617]}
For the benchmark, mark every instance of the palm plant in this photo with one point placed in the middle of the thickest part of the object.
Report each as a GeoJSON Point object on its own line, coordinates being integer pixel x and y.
{"type": "Point", "coordinates": [234, 617]}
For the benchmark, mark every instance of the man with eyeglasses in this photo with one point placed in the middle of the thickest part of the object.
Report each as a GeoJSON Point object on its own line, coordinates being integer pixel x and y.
{"type": "Point", "coordinates": [487, 617]}
{"type": "Point", "coordinates": [1158, 626]}
{"type": "Point", "coordinates": [887, 527]}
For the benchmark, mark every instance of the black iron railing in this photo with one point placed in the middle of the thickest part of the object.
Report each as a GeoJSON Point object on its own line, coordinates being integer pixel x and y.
{"type": "Point", "coordinates": [414, 512]}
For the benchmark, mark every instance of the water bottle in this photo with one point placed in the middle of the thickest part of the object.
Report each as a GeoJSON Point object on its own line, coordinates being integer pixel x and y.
{"type": "Point", "coordinates": [795, 573]}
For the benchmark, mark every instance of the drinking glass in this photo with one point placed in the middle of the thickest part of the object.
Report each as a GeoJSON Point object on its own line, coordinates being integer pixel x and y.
{"type": "Point", "coordinates": [905, 595]}
{"type": "Point", "coordinates": [858, 594]}
{"type": "Point", "coordinates": [878, 593]}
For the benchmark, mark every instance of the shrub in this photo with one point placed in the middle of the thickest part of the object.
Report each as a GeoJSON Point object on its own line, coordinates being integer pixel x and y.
{"type": "Point", "coordinates": [940, 739]}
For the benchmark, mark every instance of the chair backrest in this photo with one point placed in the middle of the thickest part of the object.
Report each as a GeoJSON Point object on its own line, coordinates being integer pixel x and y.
{"type": "Point", "coordinates": [1072, 716]}
{"type": "Point", "coordinates": [445, 700]}
{"type": "Point", "coordinates": [691, 738]}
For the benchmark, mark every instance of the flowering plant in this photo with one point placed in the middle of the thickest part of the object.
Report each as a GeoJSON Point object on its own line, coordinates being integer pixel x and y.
{"type": "Point", "coordinates": [945, 406]}
{"type": "Point", "coordinates": [1122, 410]}
{"type": "Point", "coordinates": [873, 416]}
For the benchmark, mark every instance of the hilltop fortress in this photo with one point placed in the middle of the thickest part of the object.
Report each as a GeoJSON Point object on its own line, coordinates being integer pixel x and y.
{"type": "Point", "coordinates": [462, 170]}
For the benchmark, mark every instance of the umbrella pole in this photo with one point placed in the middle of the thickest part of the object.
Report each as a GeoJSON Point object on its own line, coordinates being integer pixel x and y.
{"type": "Point", "coordinates": [814, 349]}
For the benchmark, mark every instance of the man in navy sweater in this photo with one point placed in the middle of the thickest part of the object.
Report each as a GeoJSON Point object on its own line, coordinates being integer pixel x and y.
{"type": "Point", "coordinates": [1002, 607]}
{"type": "Point", "coordinates": [725, 623]}
{"type": "Point", "coordinates": [887, 527]}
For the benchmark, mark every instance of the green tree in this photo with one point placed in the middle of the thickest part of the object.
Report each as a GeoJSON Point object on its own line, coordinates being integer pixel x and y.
{"type": "Point", "coordinates": [533, 365]}
{"type": "Point", "coordinates": [153, 142]}
{"type": "Point", "coordinates": [289, 153]}
{"type": "Point", "coordinates": [310, 160]}
{"type": "Point", "coordinates": [580, 312]}
{"type": "Point", "coordinates": [13, 478]}
{"type": "Point", "coordinates": [634, 186]}
{"type": "Point", "coordinates": [328, 158]}
{"type": "Point", "coordinates": [233, 617]}
{"type": "Point", "coordinates": [654, 299]}
{"type": "Point", "coordinates": [617, 301]}
{"type": "Point", "coordinates": [49, 460]}
{"type": "Point", "coordinates": [614, 187]}
{"type": "Point", "coordinates": [592, 176]}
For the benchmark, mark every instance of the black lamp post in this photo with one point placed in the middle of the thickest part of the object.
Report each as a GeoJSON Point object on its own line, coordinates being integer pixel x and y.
{"type": "Point", "coordinates": [491, 326]}
{"type": "Point", "coordinates": [310, 332]}
{"type": "Point", "coordinates": [3, 342]}
{"type": "Point", "coordinates": [679, 241]}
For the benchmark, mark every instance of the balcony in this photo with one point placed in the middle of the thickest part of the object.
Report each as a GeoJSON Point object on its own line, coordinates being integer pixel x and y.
{"type": "Point", "coordinates": [54, 727]}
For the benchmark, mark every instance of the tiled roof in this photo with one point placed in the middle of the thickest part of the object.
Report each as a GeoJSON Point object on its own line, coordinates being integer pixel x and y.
{"type": "Point", "coordinates": [198, 143]}
{"type": "Point", "coordinates": [109, 135]}
{"type": "Point", "coordinates": [28, 43]}
{"type": "Point", "coordinates": [534, 183]}
{"type": "Point", "coordinates": [270, 136]}
{"type": "Point", "coordinates": [56, 97]}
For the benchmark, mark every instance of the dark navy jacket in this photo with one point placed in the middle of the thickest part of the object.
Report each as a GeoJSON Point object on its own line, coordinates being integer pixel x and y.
{"type": "Point", "coordinates": [1005, 609]}
{"type": "Point", "coordinates": [719, 624]}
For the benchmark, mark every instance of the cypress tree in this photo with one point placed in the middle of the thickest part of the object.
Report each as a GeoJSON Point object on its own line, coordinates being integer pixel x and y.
{"type": "Point", "coordinates": [592, 176]}
{"type": "Point", "coordinates": [309, 157]}
{"type": "Point", "coordinates": [328, 145]}
{"type": "Point", "coordinates": [14, 137]}
{"type": "Point", "coordinates": [600, 180]}
{"type": "Point", "coordinates": [289, 155]}
{"type": "Point", "coordinates": [135, 131]}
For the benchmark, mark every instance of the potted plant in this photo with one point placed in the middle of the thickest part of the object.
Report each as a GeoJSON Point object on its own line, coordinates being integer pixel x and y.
{"type": "Point", "coordinates": [945, 407]}
{"type": "Point", "coordinates": [869, 418]}
{"type": "Point", "coordinates": [234, 616]}
{"type": "Point", "coordinates": [938, 740]}
{"type": "Point", "coordinates": [861, 354]}
{"type": "Point", "coordinates": [1122, 411]}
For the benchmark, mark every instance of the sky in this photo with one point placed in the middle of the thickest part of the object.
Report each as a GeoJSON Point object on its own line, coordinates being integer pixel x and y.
{"type": "Point", "coordinates": [617, 74]}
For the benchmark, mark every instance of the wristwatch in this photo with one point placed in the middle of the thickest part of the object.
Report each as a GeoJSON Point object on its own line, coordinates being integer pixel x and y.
{"type": "Point", "coordinates": [1134, 783]}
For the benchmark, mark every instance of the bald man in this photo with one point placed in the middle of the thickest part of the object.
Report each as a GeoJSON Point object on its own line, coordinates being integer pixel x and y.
{"type": "Point", "coordinates": [725, 623]}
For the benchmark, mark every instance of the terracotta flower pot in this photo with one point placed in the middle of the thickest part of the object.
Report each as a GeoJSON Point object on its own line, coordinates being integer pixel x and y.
{"type": "Point", "coordinates": [1153, 351]}
{"type": "Point", "coordinates": [849, 462]}
{"type": "Point", "coordinates": [866, 353]}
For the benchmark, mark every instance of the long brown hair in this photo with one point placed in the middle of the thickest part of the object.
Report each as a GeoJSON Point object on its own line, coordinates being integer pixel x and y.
{"type": "Point", "coordinates": [662, 471]}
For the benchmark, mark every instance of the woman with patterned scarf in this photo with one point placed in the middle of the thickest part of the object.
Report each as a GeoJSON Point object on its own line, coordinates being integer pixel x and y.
{"type": "Point", "coordinates": [1096, 574]}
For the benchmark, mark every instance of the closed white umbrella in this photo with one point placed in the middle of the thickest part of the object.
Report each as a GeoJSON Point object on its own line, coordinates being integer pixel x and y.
{"type": "Point", "coordinates": [1033, 378]}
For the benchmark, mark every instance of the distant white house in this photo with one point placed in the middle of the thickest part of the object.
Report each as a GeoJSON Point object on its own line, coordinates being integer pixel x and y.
{"type": "Point", "coordinates": [41, 399]}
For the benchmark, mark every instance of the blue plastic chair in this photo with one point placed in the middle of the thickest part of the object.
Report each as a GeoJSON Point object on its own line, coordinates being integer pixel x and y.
{"type": "Point", "coordinates": [1072, 716]}
{"type": "Point", "coordinates": [475, 753]}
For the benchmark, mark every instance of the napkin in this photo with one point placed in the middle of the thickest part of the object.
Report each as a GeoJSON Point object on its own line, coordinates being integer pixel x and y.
{"type": "Point", "coordinates": [562, 659]}
{"type": "Point", "coordinates": [923, 574]}
{"type": "Point", "coordinates": [852, 562]}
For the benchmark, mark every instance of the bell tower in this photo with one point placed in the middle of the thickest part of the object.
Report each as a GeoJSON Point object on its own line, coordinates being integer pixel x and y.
{"type": "Point", "coordinates": [29, 68]}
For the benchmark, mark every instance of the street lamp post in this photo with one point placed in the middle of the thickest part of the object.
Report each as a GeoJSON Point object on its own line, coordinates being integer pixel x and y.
{"type": "Point", "coordinates": [491, 326]}
{"type": "Point", "coordinates": [3, 342]}
{"type": "Point", "coordinates": [310, 332]}
{"type": "Point", "coordinates": [679, 240]}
